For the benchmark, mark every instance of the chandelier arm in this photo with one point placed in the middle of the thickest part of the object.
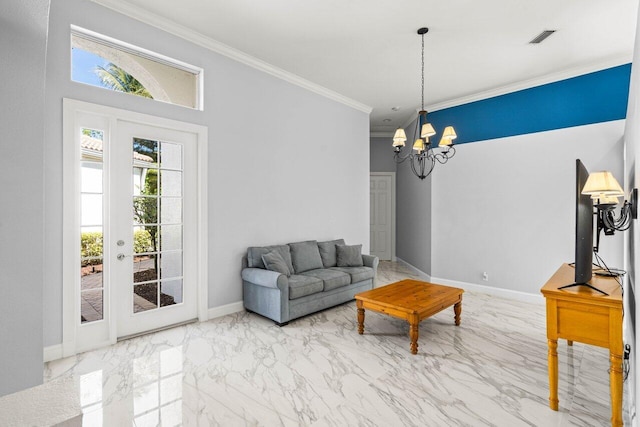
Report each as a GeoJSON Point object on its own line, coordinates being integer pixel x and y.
{"type": "Point", "coordinates": [433, 163]}
{"type": "Point", "coordinates": [400, 159]}
{"type": "Point", "coordinates": [413, 167]}
{"type": "Point", "coordinates": [451, 150]}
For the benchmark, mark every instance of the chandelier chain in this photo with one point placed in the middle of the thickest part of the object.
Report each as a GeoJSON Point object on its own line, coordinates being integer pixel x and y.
{"type": "Point", "coordinates": [422, 72]}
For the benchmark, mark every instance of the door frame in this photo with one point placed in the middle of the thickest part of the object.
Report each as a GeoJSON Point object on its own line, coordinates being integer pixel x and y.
{"type": "Point", "coordinates": [393, 209]}
{"type": "Point", "coordinates": [72, 110]}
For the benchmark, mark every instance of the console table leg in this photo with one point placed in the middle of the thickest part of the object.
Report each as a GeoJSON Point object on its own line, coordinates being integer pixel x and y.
{"type": "Point", "coordinates": [457, 309]}
{"type": "Point", "coordinates": [414, 324]}
{"type": "Point", "coordinates": [615, 381]}
{"type": "Point", "coordinates": [553, 374]}
{"type": "Point", "coordinates": [360, 317]}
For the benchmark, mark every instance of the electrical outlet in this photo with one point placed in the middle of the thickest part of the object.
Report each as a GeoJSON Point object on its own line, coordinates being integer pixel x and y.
{"type": "Point", "coordinates": [485, 276]}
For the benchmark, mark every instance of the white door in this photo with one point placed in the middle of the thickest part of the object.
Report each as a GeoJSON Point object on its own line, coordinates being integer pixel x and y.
{"type": "Point", "coordinates": [382, 194]}
{"type": "Point", "coordinates": [134, 231]}
{"type": "Point", "coordinates": [154, 219]}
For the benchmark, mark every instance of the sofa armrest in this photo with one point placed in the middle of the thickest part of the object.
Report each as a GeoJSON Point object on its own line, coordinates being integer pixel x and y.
{"type": "Point", "coordinates": [266, 278]}
{"type": "Point", "coordinates": [370, 261]}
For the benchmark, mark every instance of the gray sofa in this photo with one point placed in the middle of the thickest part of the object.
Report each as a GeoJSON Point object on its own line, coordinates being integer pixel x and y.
{"type": "Point", "coordinates": [304, 277]}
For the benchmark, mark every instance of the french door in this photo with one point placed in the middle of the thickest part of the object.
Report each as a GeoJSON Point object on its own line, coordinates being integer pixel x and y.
{"type": "Point", "coordinates": [134, 255]}
{"type": "Point", "coordinates": [153, 218]}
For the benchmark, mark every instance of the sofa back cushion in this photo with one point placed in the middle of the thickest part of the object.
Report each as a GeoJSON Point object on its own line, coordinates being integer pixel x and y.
{"type": "Point", "coordinates": [305, 256]}
{"type": "Point", "coordinates": [349, 256]}
{"type": "Point", "coordinates": [328, 252]}
{"type": "Point", "coordinates": [254, 256]}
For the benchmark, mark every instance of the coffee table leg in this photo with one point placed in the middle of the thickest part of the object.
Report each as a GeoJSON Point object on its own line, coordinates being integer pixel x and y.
{"type": "Point", "coordinates": [414, 323]}
{"type": "Point", "coordinates": [360, 317]}
{"type": "Point", "coordinates": [457, 309]}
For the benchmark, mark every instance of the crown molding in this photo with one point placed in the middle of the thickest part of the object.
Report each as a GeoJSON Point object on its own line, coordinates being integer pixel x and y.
{"type": "Point", "coordinates": [610, 62]}
{"type": "Point", "coordinates": [188, 34]}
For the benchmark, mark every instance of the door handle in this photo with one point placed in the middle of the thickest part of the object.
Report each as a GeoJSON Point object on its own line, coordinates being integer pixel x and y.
{"type": "Point", "coordinates": [121, 256]}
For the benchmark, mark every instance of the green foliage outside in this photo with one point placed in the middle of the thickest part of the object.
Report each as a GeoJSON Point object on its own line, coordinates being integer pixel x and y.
{"type": "Point", "coordinates": [115, 78]}
{"type": "Point", "coordinates": [91, 246]}
{"type": "Point", "coordinates": [91, 243]}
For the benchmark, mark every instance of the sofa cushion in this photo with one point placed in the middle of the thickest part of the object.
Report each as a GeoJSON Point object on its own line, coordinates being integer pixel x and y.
{"type": "Point", "coordinates": [301, 286]}
{"type": "Point", "coordinates": [254, 256]}
{"type": "Point", "coordinates": [305, 256]}
{"type": "Point", "coordinates": [349, 256]}
{"type": "Point", "coordinates": [328, 252]}
{"type": "Point", "coordinates": [358, 274]}
{"type": "Point", "coordinates": [330, 278]}
{"type": "Point", "coordinates": [274, 262]}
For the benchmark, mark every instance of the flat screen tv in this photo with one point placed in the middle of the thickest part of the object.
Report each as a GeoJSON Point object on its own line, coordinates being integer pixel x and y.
{"type": "Point", "coordinates": [584, 227]}
{"type": "Point", "coordinates": [584, 233]}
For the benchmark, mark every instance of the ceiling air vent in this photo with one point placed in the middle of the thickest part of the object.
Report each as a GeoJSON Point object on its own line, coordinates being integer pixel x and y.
{"type": "Point", "coordinates": [542, 36]}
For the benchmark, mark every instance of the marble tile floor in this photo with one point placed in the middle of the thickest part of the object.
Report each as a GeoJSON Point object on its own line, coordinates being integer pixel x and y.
{"type": "Point", "coordinates": [242, 370]}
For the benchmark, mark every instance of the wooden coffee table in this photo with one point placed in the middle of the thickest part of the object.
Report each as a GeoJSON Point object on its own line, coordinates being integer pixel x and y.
{"type": "Point", "coordinates": [411, 300]}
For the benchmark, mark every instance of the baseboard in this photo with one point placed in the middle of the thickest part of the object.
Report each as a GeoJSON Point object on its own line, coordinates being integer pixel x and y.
{"type": "Point", "coordinates": [490, 290]}
{"type": "Point", "coordinates": [223, 310]}
{"type": "Point", "coordinates": [419, 272]}
{"type": "Point", "coordinates": [52, 352]}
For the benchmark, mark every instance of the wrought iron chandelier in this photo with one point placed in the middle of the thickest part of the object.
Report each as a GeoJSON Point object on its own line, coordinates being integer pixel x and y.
{"type": "Point", "coordinates": [425, 157]}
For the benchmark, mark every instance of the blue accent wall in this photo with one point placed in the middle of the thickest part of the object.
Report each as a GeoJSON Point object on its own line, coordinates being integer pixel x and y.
{"type": "Point", "coordinates": [591, 98]}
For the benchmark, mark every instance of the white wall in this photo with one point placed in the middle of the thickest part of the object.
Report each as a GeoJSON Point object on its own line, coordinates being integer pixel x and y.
{"type": "Point", "coordinates": [275, 176]}
{"type": "Point", "coordinates": [23, 36]}
{"type": "Point", "coordinates": [632, 241]}
{"type": "Point", "coordinates": [381, 155]}
{"type": "Point", "coordinates": [413, 213]}
{"type": "Point", "coordinates": [507, 206]}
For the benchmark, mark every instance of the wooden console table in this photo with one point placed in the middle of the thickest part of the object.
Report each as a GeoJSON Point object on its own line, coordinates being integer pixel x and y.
{"type": "Point", "coordinates": [583, 315]}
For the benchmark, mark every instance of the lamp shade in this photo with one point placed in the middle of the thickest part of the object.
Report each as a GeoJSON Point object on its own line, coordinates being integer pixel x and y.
{"type": "Point", "coordinates": [427, 130]}
{"type": "Point", "coordinates": [419, 145]}
{"type": "Point", "coordinates": [449, 133]}
{"type": "Point", "coordinates": [399, 138]}
{"type": "Point", "coordinates": [604, 183]}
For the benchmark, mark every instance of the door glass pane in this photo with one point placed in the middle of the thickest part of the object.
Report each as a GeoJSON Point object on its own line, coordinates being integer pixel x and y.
{"type": "Point", "coordinates": [91, 212]}
{"type": "Point", "coordinates": [171, 264]}
{"type": "Point", "coordinates": [170, 210]}
{"type": "Point", "coordinates": [91, 304]}
{"type": "Point", "coordinates": [170, 183]}
{"type": "Point", "coordinates": [91, 177]}
{"type": "Point", "coordinates": [145, 210]}
{"type": "Point", "coordinates": [157, 186]}
{"type": "Point", "coordinates": [91, 225]}
{"type": "Point", "coordinates": [142, 242]}
{"type": "Point", "coordinates": [145, 180]}
{"type": "Point", "coordinates": [171, 292]}
{"type": "Point", "coordinates": [171, 156]}
{"type": "Point", "coordinates": [170, 237]}
{"type": "Point", "coordinates": [145, 268]}
{"type": "Point", "coordinates": [145, 297]}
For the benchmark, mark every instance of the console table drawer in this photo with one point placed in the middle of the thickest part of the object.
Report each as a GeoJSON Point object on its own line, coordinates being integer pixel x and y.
{"type": "Point", "coordinates": [583, 323]}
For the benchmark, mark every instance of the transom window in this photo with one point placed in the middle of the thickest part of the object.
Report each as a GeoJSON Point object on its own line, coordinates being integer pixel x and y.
{"type": "Point", "coordinates": [104, 62]}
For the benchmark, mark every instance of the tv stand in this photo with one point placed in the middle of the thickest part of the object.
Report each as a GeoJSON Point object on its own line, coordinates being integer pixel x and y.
{"type": "Point", "coordinates": [586, 317]}
{"type": "Point", "coordinates": [588, 285]}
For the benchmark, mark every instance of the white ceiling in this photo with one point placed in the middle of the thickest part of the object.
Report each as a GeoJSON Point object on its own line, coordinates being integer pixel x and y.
{"type": "Point", "coordinates": [368, 50]}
